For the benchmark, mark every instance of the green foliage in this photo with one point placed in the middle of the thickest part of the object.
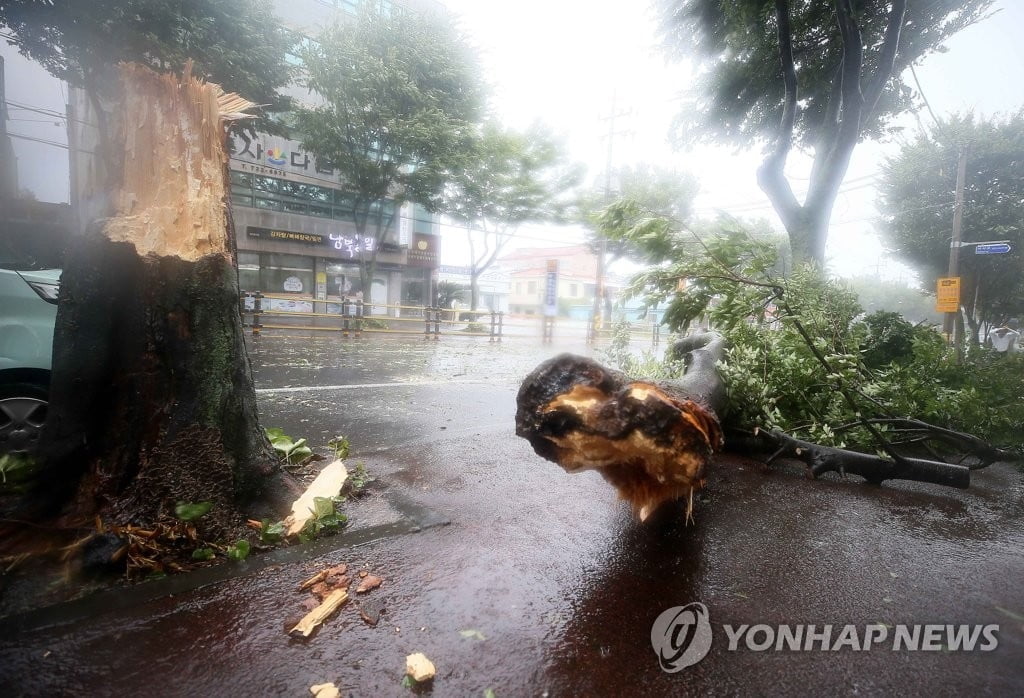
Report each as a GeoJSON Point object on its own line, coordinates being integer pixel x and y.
{"type": "Point", "coordinates": [238, 44]}
{"type": "Point", "coordinates": [653, 192]}
{"type": "Point", "coordinates": [890, 339]}
{"type": "Point", "coordinates": [448, 291]}
{"type": "Point", "coordinates": [16, 469]}
{"type": "Point", "coordinates": [325, 517]}
{"type": "Point", "coordinates": [373, 323]}
{"type": "Point", "coordinates": [358, 479]}
{"type": "Point", "coordinates": [341, 446]}
{"type": "Point", "coordinates": [739, 89]}
{"type": "Point", "coordinates": [801, 350]}
{"type": "Point", "coordinates": [202, 554]}
{"type": "Point", "coordinates": [916, 200]}
{"type": "Point", "coordinates": [645, 365]}
{"type": "Point", "coordinates": [290, 451]}
{"type": "Point", "coordinates": [190, 511]}
{"type": "Point", "coordinates": [271, 533]}
{"type": "Point", "coordinates": [239, 550]}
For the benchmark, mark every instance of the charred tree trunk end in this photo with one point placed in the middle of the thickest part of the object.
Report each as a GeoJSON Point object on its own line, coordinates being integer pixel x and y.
{"type": "Point", "coordinates": [651, 440]}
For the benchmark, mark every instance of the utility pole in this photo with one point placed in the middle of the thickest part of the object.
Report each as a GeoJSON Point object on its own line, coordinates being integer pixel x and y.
{"type": "Point", "coordinates": [952, 325]}
{"type": "Point", "coordinates": [8, 163]}
{"type": "Point", "coordinates": [603, 251]}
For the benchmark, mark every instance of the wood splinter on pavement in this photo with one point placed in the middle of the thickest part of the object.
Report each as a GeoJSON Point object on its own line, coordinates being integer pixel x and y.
{"type": "Point", "coordinates": [325, 690]}
{"type": "Point", "coordinates": [419, 667]}
{"type": "Point", "coordinates": [318, 615]}
{"type": "Point", "coordinates": [327, 484]}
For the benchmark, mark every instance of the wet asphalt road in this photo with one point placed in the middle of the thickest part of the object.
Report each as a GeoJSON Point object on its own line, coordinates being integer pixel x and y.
{"type": "Point", "coordinates": [559, 580]}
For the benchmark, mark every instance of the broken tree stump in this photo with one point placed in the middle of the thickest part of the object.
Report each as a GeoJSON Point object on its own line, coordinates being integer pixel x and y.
{"type": "Point", "coordinates": [652, 440]}
{"type": "Point", "coordinates": [152, 400]}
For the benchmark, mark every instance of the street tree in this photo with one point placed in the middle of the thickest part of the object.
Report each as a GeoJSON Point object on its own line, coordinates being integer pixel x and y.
{"type": "Point", "coordinates": [510, 179]}
{"type": "Point", "coordinates": [814, 76]}
{"type": "Point", "coordinates": [916, 198]}
{"type": "Point", "coordinates": [151, 399]}
{"type": "Point", "coordinates": [400, 99]}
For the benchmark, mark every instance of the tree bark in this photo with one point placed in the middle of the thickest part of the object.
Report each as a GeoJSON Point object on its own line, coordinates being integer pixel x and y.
{"type": "Point", "coordinates": [152, 400]}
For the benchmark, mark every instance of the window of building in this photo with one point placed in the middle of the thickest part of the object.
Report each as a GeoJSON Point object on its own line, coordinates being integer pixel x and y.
{"type": "Point", "coordinates": [287, 273]}
{"type": "Point", "coordinates": [276, 194]}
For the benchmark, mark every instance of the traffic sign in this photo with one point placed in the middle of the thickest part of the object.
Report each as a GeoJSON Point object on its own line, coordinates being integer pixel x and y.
{"type": "Point", "coordinates": [993, 248]}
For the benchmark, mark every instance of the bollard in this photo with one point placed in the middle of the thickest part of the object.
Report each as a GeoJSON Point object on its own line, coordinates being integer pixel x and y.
{"type": "Point", "coordinates": [257, 310]}
{"type": "Point", "coordinates": [501, 320]}
{"type": "Point", "coordinates": [494, 325]}
{"type": "Point", "coordinates": [437, 323]}
{"type": "Point", "coordinates": [426, 322]}
{"type": "Point", "coordinates": [346, 304]}
{"type": "Point", "coordinates": [360, 309]}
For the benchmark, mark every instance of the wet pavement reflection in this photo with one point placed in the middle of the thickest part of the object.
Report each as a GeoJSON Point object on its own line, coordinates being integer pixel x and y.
{"type": "Point", "coordinates": [559, 580]}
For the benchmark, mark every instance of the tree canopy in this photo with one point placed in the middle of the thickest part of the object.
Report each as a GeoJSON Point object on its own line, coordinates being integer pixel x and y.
{"type": "Point", "coordinates": [238, 44]}
{"type": "Point", "coordinates": [803, 74]}
{"type": "Point", "coordinates": [400, 99]}
{"type": "Point", "coordinates": [510, 178]}
{"type": "Point", "coordinates": [917, 198]}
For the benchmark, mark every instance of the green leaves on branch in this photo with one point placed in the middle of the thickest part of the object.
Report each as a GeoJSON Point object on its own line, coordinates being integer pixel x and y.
{"type": "Point", "coordinates": [804, 358]}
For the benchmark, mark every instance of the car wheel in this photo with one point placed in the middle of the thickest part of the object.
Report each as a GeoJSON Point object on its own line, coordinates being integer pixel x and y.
{"type": "Point", "coordinates": [23, 408]}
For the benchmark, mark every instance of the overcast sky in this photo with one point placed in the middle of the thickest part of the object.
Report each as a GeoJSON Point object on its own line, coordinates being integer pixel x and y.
{"type": "Point", "coordinates": [561, 61]}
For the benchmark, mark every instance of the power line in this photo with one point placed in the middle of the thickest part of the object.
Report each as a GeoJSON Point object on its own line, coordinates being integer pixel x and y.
{"type": "Point", "coordinates": [38, 140]}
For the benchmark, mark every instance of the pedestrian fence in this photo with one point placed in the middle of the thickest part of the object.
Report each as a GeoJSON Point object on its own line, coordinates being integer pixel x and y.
{"type": "Point", "coordinates": [353, 318]}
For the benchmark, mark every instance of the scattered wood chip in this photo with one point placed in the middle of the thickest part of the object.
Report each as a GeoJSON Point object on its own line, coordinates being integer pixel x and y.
{"type": "Point", "coordinates": [322, 590]}
{"type": "Point", "coordinates": [419, 667]}
{"type": "Point", "coordinates": [368, 583]}
{"type": "Point", "coordinates": [316, 578]}
{"type": "Point", "coordinates": [327, 484]}
{"type": "Point", "coordinates": [318, 615]}
{"type": "Point", "coordinates": [370, 612]}
{"type": "Point", "coordinates": [325, 690]}
{"type": "Point", "coordinates": [363, 573]}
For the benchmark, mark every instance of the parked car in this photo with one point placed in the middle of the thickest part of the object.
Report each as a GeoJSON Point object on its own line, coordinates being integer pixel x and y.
{"type": "Point", "coordinates": [28, 310]}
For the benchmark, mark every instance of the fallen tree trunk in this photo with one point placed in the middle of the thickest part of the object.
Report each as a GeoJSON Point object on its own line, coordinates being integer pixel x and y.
{"type": "Point", "coordinates": [152, 400]}
{"type": "Point", "coordinates": [653, 440]}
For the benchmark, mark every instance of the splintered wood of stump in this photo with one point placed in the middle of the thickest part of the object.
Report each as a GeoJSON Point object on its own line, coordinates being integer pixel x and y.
{"type": "Point", "coordinates": [318, 615]}
{"type": "Point", "coordinates": [651, 440]}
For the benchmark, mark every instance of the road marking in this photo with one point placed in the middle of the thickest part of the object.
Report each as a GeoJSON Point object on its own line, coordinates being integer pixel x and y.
{"type": "Point", "coordinates": [314, 388]}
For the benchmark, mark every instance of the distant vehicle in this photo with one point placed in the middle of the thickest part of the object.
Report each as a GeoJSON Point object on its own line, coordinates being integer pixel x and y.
{"type": "Point", "coordinates": [28, 311]}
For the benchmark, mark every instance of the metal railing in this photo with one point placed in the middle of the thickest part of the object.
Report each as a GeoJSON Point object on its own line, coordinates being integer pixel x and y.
{"type": "Point", "coordinates": [353, 318]}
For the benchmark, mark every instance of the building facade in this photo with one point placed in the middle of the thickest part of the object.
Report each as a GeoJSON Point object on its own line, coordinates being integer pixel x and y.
{"type": "Point", "coordinates": [293, 217]}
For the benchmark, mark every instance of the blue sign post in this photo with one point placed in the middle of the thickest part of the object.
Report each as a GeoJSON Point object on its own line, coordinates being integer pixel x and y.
{"type": "Point", "coordinates": [992, 248]}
